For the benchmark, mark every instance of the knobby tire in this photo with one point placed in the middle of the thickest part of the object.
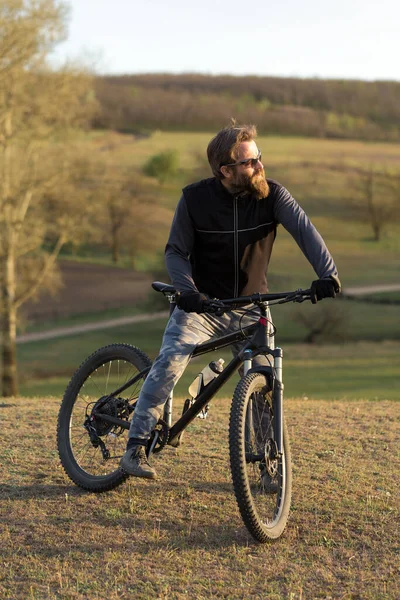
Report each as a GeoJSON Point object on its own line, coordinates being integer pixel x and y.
{"type": "Point", "coordinates": [104, 370]}
{"type": "Point", "coordinates": [264, 514]}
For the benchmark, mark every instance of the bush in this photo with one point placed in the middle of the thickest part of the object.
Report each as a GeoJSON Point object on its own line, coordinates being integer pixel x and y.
{"type": "Point", "coordinates": [162, 166]}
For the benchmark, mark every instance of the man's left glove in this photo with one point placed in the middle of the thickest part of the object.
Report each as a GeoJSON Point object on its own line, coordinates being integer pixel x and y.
{"type": "Point", "coordinates": [191, 301]}
{"type": "Point", "coordinates": [324, 288]}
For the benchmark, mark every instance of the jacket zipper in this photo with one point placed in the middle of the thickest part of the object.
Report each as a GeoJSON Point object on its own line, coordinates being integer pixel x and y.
{"type": "Point", "coordinates": [236, 246]}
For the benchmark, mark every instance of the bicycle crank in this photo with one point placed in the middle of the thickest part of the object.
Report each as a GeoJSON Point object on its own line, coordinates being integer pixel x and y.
{"type": "Point", "coordinates": [158, 439]}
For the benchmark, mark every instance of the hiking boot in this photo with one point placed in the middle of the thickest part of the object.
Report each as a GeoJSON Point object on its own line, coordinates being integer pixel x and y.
{"type": "Point", "coordinates": [134, 462]}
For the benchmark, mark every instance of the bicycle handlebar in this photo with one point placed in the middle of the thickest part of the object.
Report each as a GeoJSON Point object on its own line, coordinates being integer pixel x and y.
{"type": "Point", "coordinates": [220, 306]}
{"type": "Point", "coordinates": [217, 306]}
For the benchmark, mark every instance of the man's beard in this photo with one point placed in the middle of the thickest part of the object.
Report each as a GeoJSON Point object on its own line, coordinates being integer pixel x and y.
{"type": "Point", "coordinates": [256, 185]}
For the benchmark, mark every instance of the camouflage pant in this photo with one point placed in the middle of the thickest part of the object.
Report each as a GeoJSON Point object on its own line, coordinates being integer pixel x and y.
{"type": "Point", "coordinates": [183, 333]}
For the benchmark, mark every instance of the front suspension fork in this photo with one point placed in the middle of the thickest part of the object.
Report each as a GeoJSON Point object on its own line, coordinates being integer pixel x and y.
{"type": "Point", "coordinates": [277, 400]}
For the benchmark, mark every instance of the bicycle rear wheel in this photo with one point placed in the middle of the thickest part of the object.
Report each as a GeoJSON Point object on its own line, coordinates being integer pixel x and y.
{"type": "Point", "coordinates": [90, 448]}
{"type": "Point", "coordinates": [262, 480]}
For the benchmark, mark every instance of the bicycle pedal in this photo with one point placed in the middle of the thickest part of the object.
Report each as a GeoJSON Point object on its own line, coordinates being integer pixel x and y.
{"type": "Point", "coordinates": [203, 414]}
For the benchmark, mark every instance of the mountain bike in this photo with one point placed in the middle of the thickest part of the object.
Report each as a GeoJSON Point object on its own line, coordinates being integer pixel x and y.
{"type": "Point", "coordinates": [97, 407]}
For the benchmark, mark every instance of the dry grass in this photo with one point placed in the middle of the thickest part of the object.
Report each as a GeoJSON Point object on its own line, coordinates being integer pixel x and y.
{"type": "Point", "coordinates": [182, 537]}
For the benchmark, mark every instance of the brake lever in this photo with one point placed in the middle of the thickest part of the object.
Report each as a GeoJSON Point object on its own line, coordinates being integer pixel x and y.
{"type": "Point", "coordinates": [214, 307]}
{"type": "Point", "coordinates": [297, 296]}
{"type": "Point", "coordinates": [302, 298]}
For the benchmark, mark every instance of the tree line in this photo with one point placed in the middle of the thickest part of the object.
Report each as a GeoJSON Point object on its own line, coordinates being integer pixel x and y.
{"type": "Point", "coordinates": [287, 106]}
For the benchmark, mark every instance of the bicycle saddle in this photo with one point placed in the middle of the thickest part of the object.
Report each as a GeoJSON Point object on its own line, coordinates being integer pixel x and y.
{"type": "Point", "coordinates": [163, 287]}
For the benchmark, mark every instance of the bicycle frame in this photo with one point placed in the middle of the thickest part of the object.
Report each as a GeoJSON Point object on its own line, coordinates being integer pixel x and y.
{"type": "Point", "coordinates": [255, 346]}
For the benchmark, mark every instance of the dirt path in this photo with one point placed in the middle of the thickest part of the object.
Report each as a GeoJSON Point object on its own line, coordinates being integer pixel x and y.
{"type": "Point", "coordinates": [77, 329]}
{"type": "Point", "coordinates": [371, 289]}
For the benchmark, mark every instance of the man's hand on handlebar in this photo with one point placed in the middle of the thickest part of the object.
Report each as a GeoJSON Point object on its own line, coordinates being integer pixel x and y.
{"type": "Point", "coordinates": [324, 288]}
{"type": "Point", "coordinates": [199, 303]}
{"type": "Point", "coordinates": [191, 301]}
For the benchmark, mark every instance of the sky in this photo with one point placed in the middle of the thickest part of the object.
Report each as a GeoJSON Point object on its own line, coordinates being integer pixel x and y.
{"type": "Point", "coordinates": [350, 39]}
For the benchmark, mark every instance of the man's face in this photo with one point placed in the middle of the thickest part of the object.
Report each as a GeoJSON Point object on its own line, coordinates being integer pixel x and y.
{"type": "Point", "coordinates": [248, 177]}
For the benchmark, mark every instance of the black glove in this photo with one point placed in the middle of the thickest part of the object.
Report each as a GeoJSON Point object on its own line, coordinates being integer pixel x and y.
{"type": "Point", "coordinates": [324, 288]}
{"type": "Point", "coordinates": [191, 301]}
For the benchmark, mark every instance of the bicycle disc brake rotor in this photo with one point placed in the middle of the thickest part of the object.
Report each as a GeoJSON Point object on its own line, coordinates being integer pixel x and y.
{"type": "Point", "coordinates": [271, 460]}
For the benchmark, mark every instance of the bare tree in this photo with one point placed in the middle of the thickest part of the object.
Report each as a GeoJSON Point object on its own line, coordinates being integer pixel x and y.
{"type": "Point", "coordinates": [323, 322]}
{"type": "Point", "coordinates": [127, 207]}
{"type": "Point", "coordinates": [147, 229]}
{"type": "Point", "coordinates": [124, 210]}
{"type": "Point", "coordinates": [379, 194]}
{"type": "Point", "coordinates": [39, 108]}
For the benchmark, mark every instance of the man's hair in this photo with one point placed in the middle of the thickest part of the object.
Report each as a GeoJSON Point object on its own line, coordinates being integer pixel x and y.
{"type": "Point", "coordinates": [223, 148]}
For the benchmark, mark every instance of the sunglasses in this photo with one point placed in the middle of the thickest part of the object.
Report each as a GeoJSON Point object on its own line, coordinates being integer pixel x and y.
{"type": "Point", "coordinates": [247, 162]}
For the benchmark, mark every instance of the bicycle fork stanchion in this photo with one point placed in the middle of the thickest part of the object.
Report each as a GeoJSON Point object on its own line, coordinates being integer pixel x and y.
{"type": "Point", "coordinates": [270, 329]}
{"type": "Point", "coordinates": [277, 400]}
{"type": "Point", "coordinates": [248, 362]}
{"type": "Point", "coordinates": [247, 365]}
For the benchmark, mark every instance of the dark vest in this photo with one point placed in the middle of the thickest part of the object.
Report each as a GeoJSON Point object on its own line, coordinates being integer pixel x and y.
{"type": "Point", "coordinates": [234, 236]}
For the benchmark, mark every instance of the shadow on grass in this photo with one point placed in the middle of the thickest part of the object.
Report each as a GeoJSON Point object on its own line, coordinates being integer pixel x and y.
{"type": "Point", "coordinates": [191, 534]}
{"type": "Point", "coordinates": [185, 527]}
{"type": "Point", "coordinates": [38, 491]}
{"type": "Point", "coordinates": [212, 486]}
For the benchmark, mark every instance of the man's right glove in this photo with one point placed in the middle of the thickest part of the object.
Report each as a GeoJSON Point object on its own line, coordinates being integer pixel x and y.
{"type": "Point", "coordinates": [324, 288]}
{"type": "Point", "coordinates": [191, 301]}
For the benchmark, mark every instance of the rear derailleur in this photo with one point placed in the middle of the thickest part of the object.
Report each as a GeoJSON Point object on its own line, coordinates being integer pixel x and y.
{"type": "Point", "coordinates": [95, 440]}
{"type": "Point", "coordinates": [97, 428]}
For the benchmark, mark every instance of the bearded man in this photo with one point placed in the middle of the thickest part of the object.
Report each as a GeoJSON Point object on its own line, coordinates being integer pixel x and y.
{"type": "Point", "coordinates": [219, 246]}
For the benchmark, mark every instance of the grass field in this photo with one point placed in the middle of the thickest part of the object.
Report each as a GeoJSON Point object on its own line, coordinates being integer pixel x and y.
{"type": "Point", "coordinates": [276, 150]}
{"type": "Point", "coordinates": [182, 537]}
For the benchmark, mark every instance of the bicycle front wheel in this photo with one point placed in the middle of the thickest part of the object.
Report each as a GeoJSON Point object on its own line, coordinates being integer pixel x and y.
{"type": "Point", "coordinates": [262, 479]}
{"type": "Point", "coordinates": [89, 447]}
